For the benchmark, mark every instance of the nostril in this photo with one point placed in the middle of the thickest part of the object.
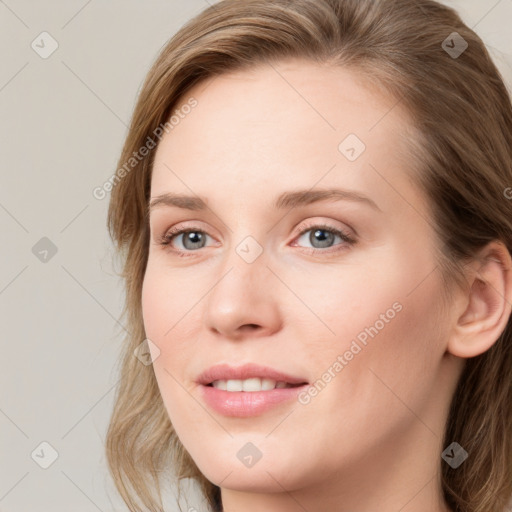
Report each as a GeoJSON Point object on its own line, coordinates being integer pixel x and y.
{"type": "Point", "coordinates": [251, 326]}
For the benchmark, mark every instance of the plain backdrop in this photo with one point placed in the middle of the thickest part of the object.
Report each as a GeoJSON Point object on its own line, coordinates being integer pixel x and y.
{"type": "Point", "coordinates": [63, 122]}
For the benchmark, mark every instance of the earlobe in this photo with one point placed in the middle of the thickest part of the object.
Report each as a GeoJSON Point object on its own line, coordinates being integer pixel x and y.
{"type": "Point", "coordinates": [487, 303]}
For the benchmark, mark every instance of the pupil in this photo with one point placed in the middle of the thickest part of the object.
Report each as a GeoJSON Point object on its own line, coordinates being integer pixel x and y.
{"type": "Point", "coordinates": [193, 237]}
{"type": "Point", "coordinates": [324, 240]}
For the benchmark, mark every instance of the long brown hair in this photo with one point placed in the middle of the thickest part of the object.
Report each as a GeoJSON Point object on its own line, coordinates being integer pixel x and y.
{"type": "Point", "coordinates": [461, 158]}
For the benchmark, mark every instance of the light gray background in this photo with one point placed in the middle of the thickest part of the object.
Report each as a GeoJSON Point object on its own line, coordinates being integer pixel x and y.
{"type": "Point", "coordinates": [64, 119]}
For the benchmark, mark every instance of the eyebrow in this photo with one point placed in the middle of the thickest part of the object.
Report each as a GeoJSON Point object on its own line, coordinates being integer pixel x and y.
{"type": "Point", "coordinates": [292, 199]}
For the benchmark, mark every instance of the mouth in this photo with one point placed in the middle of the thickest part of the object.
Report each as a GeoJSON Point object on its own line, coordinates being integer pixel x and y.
{"type": "Point", "coordinates": [249, 390]}
{"type": "Point", "coordinates": [252, 385]}
{"type": "Point", "coordinates": [249, 397]}
{"type": "Point", "coordinates": [249, 377]}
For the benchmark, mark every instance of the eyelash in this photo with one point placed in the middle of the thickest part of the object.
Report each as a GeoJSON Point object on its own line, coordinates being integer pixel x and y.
{"type": "Point", "coordinates": [166, 239]}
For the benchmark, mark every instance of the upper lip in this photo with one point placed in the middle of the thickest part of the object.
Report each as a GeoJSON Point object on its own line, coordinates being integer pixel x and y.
{"type": "Point", "coordinates": [247, 371]}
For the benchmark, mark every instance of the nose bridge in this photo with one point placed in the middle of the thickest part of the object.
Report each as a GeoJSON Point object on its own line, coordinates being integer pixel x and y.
{"type": "Point", "coordinates": [246, 255]}
{"type": "Point", "coordinates": [240, 294]}
{"type": "Point", "coordinates": [245, 266]}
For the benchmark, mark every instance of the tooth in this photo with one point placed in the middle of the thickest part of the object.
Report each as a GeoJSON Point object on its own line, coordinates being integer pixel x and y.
{"type": "Point", "coordinates": [251, 384]}
{"type": "Point", "coordinates": [267, 384]}
{"type": "Point", "coordinates": [234, 385]}
{"type": "Point", "coordinates": [220, 384]}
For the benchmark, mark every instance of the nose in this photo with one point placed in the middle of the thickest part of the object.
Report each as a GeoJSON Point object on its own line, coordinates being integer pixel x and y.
{"type": "Point", "coordinates": [244, 300]}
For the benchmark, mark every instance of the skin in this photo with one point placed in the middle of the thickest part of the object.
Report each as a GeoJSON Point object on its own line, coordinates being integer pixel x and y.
{"type": "Point", "coordinates": [372, 438]}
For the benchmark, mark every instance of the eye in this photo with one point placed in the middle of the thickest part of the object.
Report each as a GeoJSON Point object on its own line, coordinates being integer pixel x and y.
{"type": "Point", "coordinates": [192, 239]}
{"type": "Point", "coordinates": [323, 236]}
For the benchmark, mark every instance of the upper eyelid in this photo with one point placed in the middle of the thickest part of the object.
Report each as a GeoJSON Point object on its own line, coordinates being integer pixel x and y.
{"type": "Point", "coordinates": [304, 228]}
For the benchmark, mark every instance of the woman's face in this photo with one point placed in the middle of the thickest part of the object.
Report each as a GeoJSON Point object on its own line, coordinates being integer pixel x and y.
{"type": "Point", "coordinates": [358, 318]}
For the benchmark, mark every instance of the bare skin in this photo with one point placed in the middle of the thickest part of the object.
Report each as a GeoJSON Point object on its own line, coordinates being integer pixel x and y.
{"type": "Point", "coordinates": [371, 439]}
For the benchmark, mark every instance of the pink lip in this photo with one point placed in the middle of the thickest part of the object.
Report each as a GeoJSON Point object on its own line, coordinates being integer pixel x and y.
{"type": "Point", "coordinates": [251, 403]}
{"type": "Point", "coordinates": [247, 371]}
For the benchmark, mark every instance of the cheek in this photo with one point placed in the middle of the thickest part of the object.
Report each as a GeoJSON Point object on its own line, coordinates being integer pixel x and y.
{"type": "Point", "coordinates": [155, 313]}
{"type": "Point", "coordinates": [355, 303]}
{"type": "Point", "coordinates": [391, 344]}
{"type": "Point", "coordinates": [375, 371]}
{"type": "Point", "coordinates": [160, 311]}
{"type": "Point", "coordinates": [385, 325]}
{"type": "Point", "coordinates": [167, 302]}
{"type": "Point", "coordinates": [165, 323]}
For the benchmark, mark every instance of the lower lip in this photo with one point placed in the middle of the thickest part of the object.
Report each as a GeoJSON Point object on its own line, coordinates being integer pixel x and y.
{"type": "Point", "coordinates": [243, 404]}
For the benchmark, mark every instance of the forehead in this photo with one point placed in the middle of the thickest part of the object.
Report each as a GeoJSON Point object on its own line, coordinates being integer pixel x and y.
{"type": "Point", "coordinates": [307, 98]}
{"type": "Point", "coordinates": [282, 124]}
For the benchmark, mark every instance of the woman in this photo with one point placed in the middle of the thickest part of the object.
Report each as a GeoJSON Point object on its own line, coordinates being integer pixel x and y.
{"type": "Point", "coordinates": [317, 261]}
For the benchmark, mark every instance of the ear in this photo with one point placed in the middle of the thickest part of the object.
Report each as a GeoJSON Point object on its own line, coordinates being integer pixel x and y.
{"type": "Point", "coordinates": [487, 303]}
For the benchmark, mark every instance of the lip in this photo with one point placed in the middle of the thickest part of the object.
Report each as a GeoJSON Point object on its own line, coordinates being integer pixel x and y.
{"type": "Point", "coordinates": [247, 371]}
{"type": "Point", "coordinates": [243, 404]}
